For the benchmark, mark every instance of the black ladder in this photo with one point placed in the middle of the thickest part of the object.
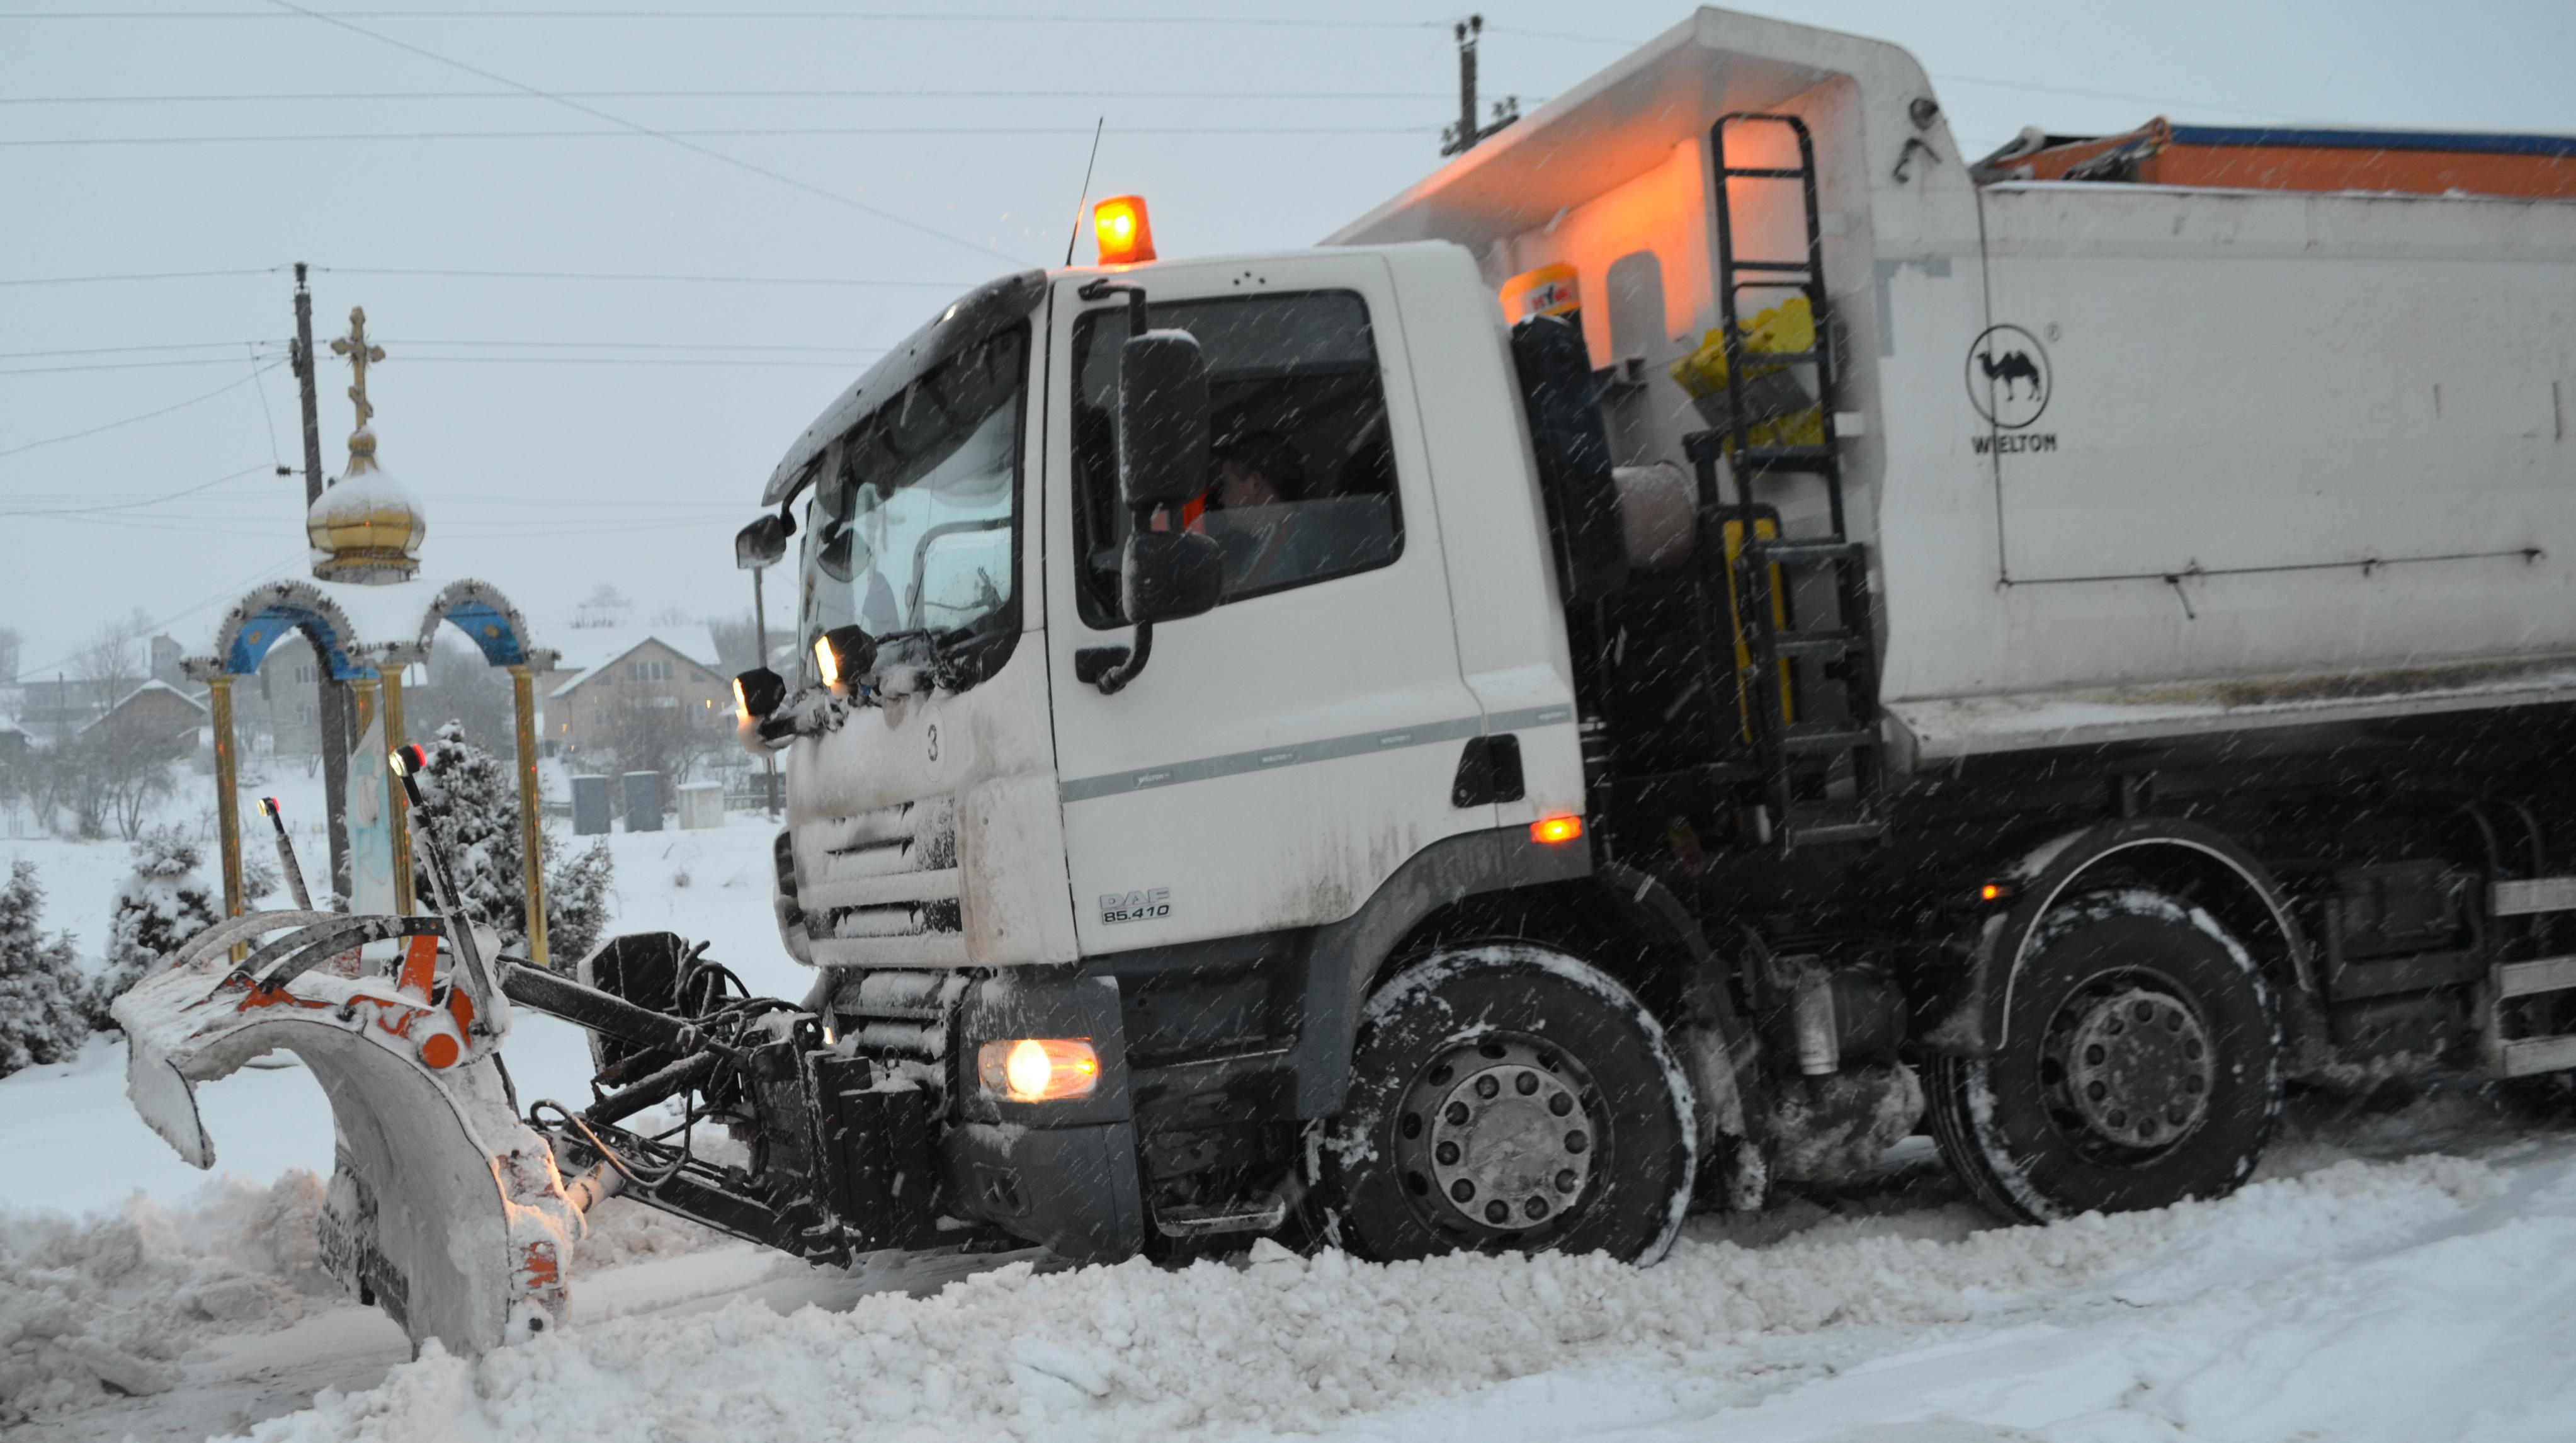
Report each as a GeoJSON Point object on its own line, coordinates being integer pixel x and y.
{"type": "Point", "coordinates": [1825, 777]}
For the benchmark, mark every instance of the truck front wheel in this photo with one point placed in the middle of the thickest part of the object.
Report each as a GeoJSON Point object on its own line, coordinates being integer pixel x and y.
{"type": "Point", "coordinates": [2141, 1065]}
{"type": "Point", "coordinates": [1507, 1097]}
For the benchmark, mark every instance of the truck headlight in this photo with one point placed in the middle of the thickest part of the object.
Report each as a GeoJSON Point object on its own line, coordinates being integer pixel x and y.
{"type": "Point", "coordinates": [1038, 1069]}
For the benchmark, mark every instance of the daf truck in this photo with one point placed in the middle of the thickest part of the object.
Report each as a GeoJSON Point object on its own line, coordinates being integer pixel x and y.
{"type": "Point", "coordinates": [1713, 634]}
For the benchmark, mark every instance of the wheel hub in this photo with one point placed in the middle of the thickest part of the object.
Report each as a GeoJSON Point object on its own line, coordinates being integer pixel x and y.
{"type": "Point", "coordinates": [2135, 1067]}
{"type": "Point", "coordinates": [1494, 1138]}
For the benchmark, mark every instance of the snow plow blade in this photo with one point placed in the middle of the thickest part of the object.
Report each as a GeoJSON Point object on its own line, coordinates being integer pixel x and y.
{"type": "Point", "coordinates": [444, 1208]}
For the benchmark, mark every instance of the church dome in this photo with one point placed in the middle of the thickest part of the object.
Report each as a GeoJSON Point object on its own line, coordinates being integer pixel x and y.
{"type": "Point", "coordinates": [367, 527]}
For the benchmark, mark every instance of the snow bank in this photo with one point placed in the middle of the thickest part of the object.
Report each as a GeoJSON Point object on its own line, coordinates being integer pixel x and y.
{"type": "Point", "coordinates": [1286, 1344]}
{"type": "Point", "coordinates": [109, 1305]}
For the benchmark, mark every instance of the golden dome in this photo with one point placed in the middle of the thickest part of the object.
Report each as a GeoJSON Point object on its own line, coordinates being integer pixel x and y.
{"type": "Point", "coordinates": [367, 527]}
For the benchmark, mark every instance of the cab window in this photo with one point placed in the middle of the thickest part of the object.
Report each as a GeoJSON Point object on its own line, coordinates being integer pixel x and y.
{"type": "Point", "coordinates": [1301, 485]}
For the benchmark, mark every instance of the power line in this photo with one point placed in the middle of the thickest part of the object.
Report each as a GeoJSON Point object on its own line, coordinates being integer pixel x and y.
{"type": "Point", "coordinates": [711, 362]}
{"type": "Point", "coordinates": [645, 345]}
{"type": "Point", "coordinates": [234, 346]}
{"type": "Point", "coordinates": [116, 366]}
{"type": "Point", "coordinates": [596, 113]}
{"type": "Point", "coordinates": [147, 415]}
{"type": "Point", "coordinates": [871, 282]}
{"type": "Point", "coordinates": [718, 133]}
{"type": "Point", "coordinates": [131, 350]}
{"type": "Point", "coordinates": [136, 276]}
{"type": "Point", "coordinates": [264, 468]}
{"type": "Point", "coordinates": [650, 277]}
{"type": "Point", "coordinates": [376, 96]}
{"type": "Point", "coordinates": [1013, 17]}
{"type": "Point", "coordinates": [254, 579]}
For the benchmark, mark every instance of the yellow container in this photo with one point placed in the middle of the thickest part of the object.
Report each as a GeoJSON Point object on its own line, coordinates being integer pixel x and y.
{"type": "Point", "coordinates": [1782, 412]}
{"type": "Point", "coordinates": [1547, 291]}
{"type": "Point", "coordinates": [1787, 327]}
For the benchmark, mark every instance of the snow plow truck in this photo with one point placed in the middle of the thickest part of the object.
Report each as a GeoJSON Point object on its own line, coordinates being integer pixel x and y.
{"type": "Point", "coordinates": [1711, 635]}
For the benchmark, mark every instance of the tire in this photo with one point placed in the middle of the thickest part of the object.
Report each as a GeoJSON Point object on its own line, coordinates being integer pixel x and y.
{"type": "Point", "coordinates": [2141, 1066]}
{"type": "Point", "coordinates": [1507, 1098]}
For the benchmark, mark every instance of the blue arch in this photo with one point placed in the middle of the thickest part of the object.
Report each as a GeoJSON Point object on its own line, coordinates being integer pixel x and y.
{"type": "Point", "coordinates": [486, 617]}
{"type": "Point", "coordinates": [261, 630]}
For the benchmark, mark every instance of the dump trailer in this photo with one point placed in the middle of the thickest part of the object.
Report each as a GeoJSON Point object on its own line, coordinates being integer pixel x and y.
{"type": "Point", "coordinates": [1714, 633]}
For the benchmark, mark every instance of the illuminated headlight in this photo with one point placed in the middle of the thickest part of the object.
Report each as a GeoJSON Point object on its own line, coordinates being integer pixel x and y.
{"type": "Point", "coordinates": [843, 655]}
{"type": "Point", "coordinates": [1038, 1069]}
{"type": "Point", "coordinates": [757, 692]}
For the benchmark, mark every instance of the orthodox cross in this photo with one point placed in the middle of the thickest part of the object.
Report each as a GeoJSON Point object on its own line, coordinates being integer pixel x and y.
{"type": "Point", "coordinates": [356, 347]}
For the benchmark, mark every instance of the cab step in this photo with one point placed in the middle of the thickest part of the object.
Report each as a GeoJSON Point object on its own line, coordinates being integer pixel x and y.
{"type": "Point", "coordinates": [1258, 1216]}
{"type": "Point", "coordinates": [2531, 896]}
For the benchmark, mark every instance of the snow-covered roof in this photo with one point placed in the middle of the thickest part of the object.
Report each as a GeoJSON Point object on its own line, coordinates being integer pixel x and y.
{"type": "Point", "coordinates": [589, 648]}
{"type": "Point", "coordinates": [150, 686]}
{"type": "Point", "coordinates": [145, 689]}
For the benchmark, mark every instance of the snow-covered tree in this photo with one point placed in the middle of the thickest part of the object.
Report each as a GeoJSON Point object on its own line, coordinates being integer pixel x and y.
{"type": "Point", "coordinates": [165, 902]}
{"type": "Point", "coordinates": [471, 799]}
{"type": "Point", "coordinates": [41, 989]}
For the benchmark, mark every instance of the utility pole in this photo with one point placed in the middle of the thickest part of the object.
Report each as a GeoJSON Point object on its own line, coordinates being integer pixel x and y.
{"type": "Point", "coordinates": [331, 698]}
{"type": "Point", "coordinates": [1460, 138]}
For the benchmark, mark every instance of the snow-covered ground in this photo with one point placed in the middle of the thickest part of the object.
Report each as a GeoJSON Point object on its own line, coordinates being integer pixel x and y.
{"type": "Point", "coordinates": [2404, 1273]}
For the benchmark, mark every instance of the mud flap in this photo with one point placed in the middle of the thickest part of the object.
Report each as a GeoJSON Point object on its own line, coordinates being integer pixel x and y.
{"type": "Point", "coordinates": [444, 1208]}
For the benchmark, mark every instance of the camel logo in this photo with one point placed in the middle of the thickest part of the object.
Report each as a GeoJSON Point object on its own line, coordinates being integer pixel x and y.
{"type": "Point", "coordinates": [2008, 380]}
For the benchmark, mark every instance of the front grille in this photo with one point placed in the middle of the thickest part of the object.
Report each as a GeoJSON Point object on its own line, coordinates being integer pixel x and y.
{"type": "Point", "coordinates": [880, 888]}
{"type": "Point", "coordinates": [900, 1020]}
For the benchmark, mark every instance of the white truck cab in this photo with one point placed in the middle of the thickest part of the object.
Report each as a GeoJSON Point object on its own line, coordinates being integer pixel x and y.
{"type": "Point", "coordinates": [1279, 757]}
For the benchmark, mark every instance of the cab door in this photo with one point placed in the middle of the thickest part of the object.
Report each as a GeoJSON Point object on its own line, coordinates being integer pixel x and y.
{"type": "Point", "coordinates": [1280, 756]}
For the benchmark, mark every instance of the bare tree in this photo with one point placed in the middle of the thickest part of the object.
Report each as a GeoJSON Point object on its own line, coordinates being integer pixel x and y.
{"type": "Point", "coordinates": [737, 644]}
{"type": "Point", "coordinates": [111, 774]}
{"type": "Point", "coordinates": [660, 734]}
{"type": "Point", "coordinates": [605, 606]}
{"type": "Point", "coordinates": [465, 689]}
{"type": "Point", "coordinates": [115, 661]}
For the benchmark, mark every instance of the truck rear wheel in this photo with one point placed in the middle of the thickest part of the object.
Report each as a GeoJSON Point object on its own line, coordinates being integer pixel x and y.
{"type": "Point", "coordinates": [2141, 1066]}
{"type": "Point", "coordinates": [1507, 1098]}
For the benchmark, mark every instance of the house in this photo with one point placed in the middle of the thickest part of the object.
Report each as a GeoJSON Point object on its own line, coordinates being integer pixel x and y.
{"type": "Point", "coordinates": [604, 675]}
{"type": "Point", "coordinates": [287, 705]}
{"type": "Point", "coordinates": [157, 716]}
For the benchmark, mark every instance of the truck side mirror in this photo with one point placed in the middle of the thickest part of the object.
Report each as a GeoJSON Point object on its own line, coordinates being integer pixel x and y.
{"type": "Point", "coordinates": [1167, 575]}
{"type": "Point", "coordinates": [1166, 572]}
{"type": "Point", "coordinates": [1162, 419]}
{"type": "Point", "coordinates": [762, 543]}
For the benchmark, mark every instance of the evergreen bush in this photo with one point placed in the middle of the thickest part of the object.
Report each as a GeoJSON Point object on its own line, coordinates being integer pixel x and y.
{"type": "Point", "coordinates": [471, 799]}
{"type": "Point", "coordinates": [41, 989]}
{"type": "Point", "coordinates": [164, 903]}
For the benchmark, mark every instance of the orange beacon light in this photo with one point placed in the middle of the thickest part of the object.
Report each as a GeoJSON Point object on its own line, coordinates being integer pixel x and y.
{"type": "Point", "coordinates": [1126, 236]}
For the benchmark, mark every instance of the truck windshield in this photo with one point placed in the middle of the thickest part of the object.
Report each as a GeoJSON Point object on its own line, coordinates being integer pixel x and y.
{"type": "Point", "coordinates": [912, 530]}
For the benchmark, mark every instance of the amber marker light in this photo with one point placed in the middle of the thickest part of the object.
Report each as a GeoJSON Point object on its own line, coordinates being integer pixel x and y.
{"type": "Point", "coordinates": [1994, 892]}
{"type": "Point", "coordinates": [826, 665]}
{"type": "Point", "coordinates": [1126, 236]}
{"type": "Point", "coordinates": [1039, 1069]}
{"type": "Point", "coordinates": [1556, 829]}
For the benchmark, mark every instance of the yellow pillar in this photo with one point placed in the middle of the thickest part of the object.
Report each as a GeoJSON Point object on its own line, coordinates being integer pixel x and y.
{"type": "Point", "coordinates": [219, 689]}
{"type": "Point", "coordinates": [219, 699]}
{"type": "Point", "coordinates": [394, 807]}
{"type": "Point", "coordinates": [532, 856]}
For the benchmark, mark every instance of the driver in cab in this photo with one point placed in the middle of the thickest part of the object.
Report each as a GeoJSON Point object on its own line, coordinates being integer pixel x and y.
{"type": "Point", "coordinates": [1251, 509]}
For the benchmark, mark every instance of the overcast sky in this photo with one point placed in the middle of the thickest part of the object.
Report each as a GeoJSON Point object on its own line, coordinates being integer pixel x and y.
{"type": "Point", "coordinates": [563, 432]}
